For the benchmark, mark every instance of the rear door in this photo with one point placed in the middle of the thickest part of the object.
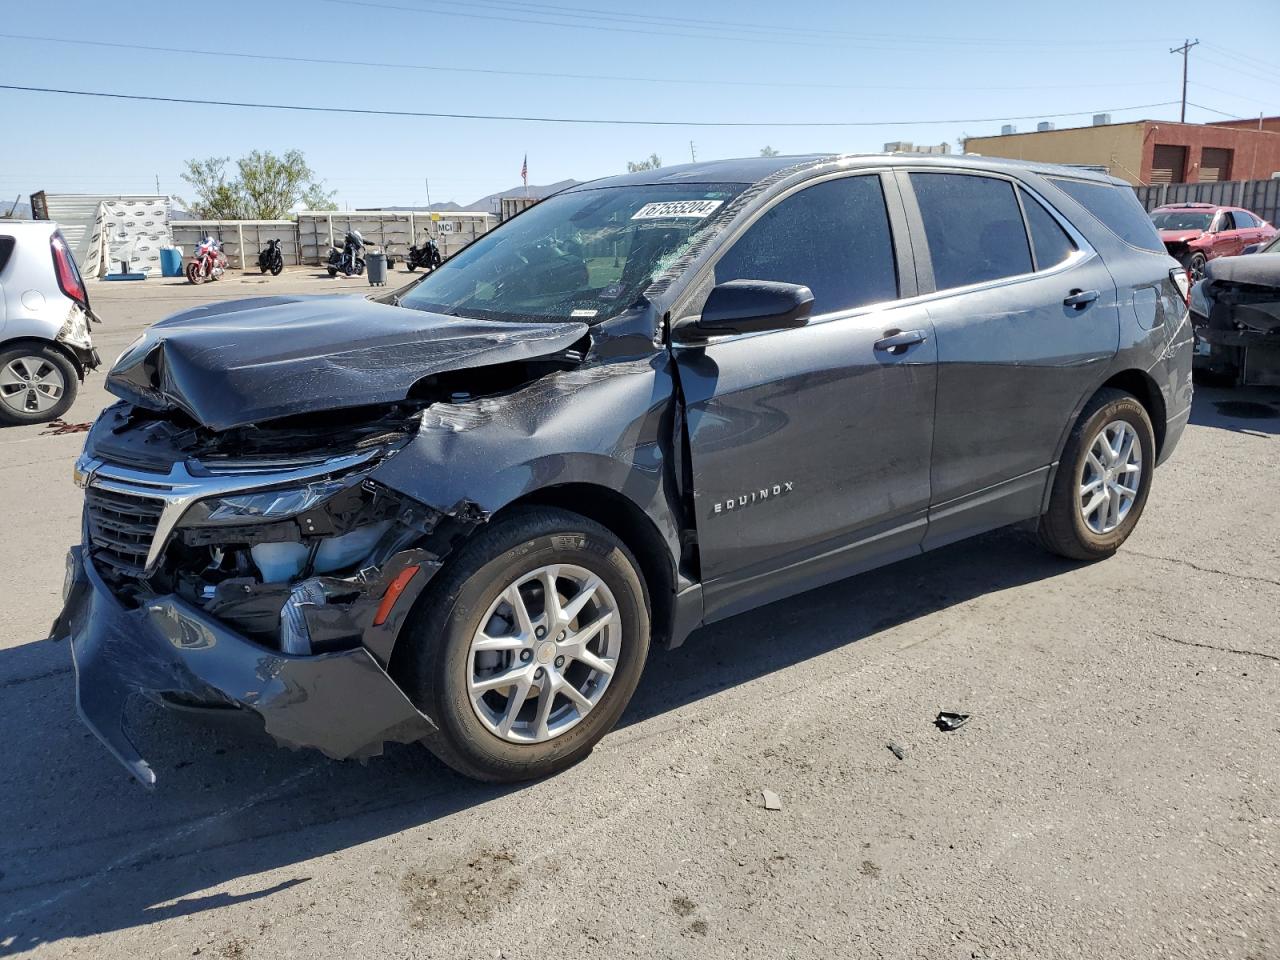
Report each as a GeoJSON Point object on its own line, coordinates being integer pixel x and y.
{"type": "Point", "coordinates": [810, 446]}
{"type": "Point", "coordinates": [1025, 314]}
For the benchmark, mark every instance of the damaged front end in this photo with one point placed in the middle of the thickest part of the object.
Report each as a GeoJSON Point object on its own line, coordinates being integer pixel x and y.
{"type": "Point", "coordinates": [1235, 312]}
{"type": "Point", "coordinates": [275, 583]}
{"type": "Point", "coordinates": [262, 566]}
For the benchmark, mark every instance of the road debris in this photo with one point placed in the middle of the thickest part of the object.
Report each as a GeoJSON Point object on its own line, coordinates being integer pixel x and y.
{"type": "Point", "coordinates": [58, 427]}
{"type": "Point", "coordinates": [896, 750]}
{"type": "Point", "coordinates": [947, 722]}
{"type": "Point", "coordinates": [771, 800]}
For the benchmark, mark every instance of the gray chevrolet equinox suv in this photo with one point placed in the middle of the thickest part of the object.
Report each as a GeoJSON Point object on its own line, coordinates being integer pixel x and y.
{"type": "Point", "coordinates": [464, 514]}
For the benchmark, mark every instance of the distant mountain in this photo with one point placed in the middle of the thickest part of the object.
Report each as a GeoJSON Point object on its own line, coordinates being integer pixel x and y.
{"type": "Point", "coordinates": [487, 204]}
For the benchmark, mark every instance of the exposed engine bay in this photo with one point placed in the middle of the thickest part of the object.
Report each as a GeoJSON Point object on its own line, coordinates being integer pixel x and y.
{"type": "Point", "coordinates": [1236, 314]}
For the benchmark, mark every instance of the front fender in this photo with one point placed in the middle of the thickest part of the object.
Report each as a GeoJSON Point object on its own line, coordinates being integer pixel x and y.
{"type": "Point", "coordinates": [607, 424]}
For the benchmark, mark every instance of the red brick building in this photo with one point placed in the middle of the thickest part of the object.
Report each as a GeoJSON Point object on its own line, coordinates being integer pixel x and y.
{"type": "Point", "coordinates": [1152, 151]}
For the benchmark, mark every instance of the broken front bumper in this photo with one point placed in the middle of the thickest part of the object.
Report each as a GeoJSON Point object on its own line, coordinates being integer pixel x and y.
{"type": "Point", "coordinates": [343, 704]}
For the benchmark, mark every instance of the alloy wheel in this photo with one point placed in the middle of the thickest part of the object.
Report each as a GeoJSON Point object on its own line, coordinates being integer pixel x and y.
{"type": "Point", "coordinates": [1110, 477]}
{"type": "Point", "coordinates": [31, 384]}
{"type": "Point", "coordinates": [544, 653]}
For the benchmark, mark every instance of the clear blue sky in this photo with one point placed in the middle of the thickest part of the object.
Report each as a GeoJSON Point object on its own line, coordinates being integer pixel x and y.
{"type": "Point", "coordinates": [908, 60]}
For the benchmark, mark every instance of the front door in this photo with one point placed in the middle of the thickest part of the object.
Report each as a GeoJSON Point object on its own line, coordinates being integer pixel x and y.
{"type": "Point", "coordinates": [1026, 318]}
{"type": "Point", "coordinates": [810, 447]}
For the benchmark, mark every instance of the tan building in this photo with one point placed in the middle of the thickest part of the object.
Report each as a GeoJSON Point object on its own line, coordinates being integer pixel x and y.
{"type": "Point", "coordinates": [1152, 151]}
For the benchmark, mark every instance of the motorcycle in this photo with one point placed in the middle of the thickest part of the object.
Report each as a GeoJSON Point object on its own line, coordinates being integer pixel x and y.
{"type": "Point", "coordinates": [348, 259]}
{"type": "Point", "coordinates": [426, 256]}
{"type": "Point", "coordinates": [271, 258]}
{"type": "Point", "coordinates": [207, 262]}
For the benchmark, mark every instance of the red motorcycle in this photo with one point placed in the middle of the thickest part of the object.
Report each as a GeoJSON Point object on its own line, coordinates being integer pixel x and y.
{"type": "Point", "coordinates": [207, 262]}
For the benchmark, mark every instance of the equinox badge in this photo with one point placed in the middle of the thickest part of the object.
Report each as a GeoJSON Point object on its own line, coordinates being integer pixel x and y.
{"type": "Point", "coordinates": [754, 497]}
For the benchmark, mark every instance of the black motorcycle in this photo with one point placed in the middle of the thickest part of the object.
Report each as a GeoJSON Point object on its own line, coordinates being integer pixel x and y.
{"type": "Point", "coordinates": [348, 260]}
{"type": "Point", "coordinates": [426, 256]}
{"type": "Point", "coordinates": [271, 258]}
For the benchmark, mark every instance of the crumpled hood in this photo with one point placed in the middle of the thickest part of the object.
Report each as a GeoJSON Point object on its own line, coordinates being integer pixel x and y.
{"type": "Point", "coordinates": [1180, 236]}
{"type": "Point", "coordinates": [245, 361]}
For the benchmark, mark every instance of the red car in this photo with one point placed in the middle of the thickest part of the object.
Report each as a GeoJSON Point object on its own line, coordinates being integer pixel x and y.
{"type": "Point", "coordinates": [1195, 233]}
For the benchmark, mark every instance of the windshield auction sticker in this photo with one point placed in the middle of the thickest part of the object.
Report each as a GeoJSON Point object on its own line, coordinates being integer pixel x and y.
{"type": "Point", "coordinates": [681, 209]}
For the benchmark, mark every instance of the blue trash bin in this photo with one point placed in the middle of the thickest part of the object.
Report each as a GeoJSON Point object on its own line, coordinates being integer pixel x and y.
{"type": "Point", "coordinates": [170, 261]}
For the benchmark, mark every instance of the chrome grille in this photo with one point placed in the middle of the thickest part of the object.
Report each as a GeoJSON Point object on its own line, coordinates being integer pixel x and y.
{"type": "Point", "coordinates": [121, 528]}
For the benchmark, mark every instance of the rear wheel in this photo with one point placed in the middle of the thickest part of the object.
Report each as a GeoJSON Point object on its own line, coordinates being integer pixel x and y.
{"type": "Point", "coordinates": [1103, 480]}
{"type": "Point", "coordinates": [37, 384]}
{"type": "Point", "coordinates": [529, 646]}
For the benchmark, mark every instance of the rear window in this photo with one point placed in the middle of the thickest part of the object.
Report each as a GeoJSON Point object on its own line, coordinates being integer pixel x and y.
{"type": "Point", "coordinates": [973, 227]}
{"type": "Point", "coordinates": [6, 250]}
{"type": "Point", "coordinates": [1118, 208]}
{"type": "Point", "coordinates": [1050, 242]}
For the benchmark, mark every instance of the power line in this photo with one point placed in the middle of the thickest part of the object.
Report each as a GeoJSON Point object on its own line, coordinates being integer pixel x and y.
{"type": "Point", "coordinates": [679, 81]}
{"type": "Point", "coordinates": [565, 120]}
{"type": "Point", "coordinates": [565, 12]}
{"type": "Point", "coordinates": [771, 37]}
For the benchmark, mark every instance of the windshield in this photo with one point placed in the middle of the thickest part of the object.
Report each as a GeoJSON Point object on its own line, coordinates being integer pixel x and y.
{"type": "Point", "coordinates": [586, 255]}
{"type": "Point", "coordinates": [1182, 219]}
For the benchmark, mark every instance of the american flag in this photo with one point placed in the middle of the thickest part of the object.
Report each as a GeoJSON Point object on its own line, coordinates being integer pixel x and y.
{"type": "Point", "coordinates": [524, 170]}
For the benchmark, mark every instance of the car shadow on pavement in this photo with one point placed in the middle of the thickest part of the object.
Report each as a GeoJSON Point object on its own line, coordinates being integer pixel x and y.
{"type": "Point", "coordinates": [1249, 410]}
{"type": "Point", "coordinates": [85, 850]}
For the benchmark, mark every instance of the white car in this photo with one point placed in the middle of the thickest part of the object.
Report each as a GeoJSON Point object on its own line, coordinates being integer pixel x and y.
{"type": "Point", "coordinates": [45, 344]}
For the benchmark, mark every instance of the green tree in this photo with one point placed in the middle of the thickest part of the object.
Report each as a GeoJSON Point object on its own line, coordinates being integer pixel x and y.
{"type": "Point", "coordinates": [768, 152]}
{"type": "Point", "coordinates": [265, 187]}
{"type": "Point", "coordinates": [652, 163]}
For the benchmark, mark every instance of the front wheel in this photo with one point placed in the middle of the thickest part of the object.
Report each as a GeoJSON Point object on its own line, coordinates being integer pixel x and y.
{"type": "Point", "coordinates": [333, 271]}
{"type": "Point", "coordinates": [1103, 480]}
{"type": "Point", "coordinates": [1195, 264]}
{"type": "Point", "coordinates": [277, 267]}
{"type": "Point", "coordinates": [528, 647]}
{"type": "Point", "coordinates": [194, 273]}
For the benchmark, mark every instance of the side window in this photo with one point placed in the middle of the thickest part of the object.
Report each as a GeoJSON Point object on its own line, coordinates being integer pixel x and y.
{"type": "Point", "coordinates": [973, 226]}
{"type": "Point", "coordinates": [1244, 220]}
{"type": "Point", "coordinates": [1050, 243]}
{"type": "Point", "coordinates": [1226, 221]}
{"type": "Point", "coordinates": [832, 237]}
{"type": "Point", "coordinates": [1118, 208]}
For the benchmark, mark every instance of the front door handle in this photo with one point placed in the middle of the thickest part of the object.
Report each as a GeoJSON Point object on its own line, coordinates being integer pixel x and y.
{"type": "Point", "coordinates": [1080, 298]}
{"type": "Point", "coordinates": [896, 342]}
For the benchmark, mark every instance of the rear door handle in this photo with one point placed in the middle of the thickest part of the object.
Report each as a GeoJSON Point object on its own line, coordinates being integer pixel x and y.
{"type": "Point", "coordinates": [897, 343]}
{"type": "Point", "coordinates": [1080, 298]}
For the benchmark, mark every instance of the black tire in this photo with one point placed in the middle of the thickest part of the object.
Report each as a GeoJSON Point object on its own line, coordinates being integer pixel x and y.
{"type": "Point", "coordinates": [432, 661]}
{"type": "Point", "coordinates": [333, 271]}
{"type": "Point", "coordinates": [1194, 264]}
{"type": "Point", "coordinates": [410, 265]}
{"type": "Point", "coordinates": [194, 273]}
{"type": "Point", "coordinates": [1062, 528]}
{"type": "Point", "coordinates": [277, 268]}
{"type": "Point", "coordinates": [262, 268]}
{"type": "Point", "coordinates": [55, 358]}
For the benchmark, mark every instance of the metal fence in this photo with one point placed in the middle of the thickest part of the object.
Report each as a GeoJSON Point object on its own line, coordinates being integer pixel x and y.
{"type": "Point", "coordinates": [239, 237]}
{"type": "Point", "coordinates": [307, 240]}
{"type": "Point", "coordinates": [1260, 196]}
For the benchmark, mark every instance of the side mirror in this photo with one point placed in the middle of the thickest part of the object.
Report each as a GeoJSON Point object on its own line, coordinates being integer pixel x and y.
{"type": "Point", "coordinates": [747, 306]}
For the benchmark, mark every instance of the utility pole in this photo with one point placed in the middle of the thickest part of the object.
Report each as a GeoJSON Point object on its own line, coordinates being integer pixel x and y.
{"type": "Point", "coordinates": [693, 155]}
{"type": "Point", "coordinates": [1184, 50]}
{"type": "Point", "coordinates": [157, 183]}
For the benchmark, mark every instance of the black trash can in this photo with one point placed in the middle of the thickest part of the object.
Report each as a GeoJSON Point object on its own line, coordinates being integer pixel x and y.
{"type": "Point", "coordinates": [376, 264]}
